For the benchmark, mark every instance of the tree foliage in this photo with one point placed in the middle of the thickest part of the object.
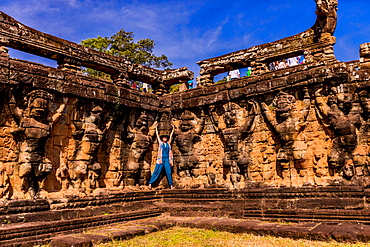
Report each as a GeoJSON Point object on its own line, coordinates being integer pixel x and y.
{"type": "Point", "coordinates": [224, 79]}
{"type": "Point", "coordinates": [122, 44]}
{"type": "Point", "coordinates": [175, 88]}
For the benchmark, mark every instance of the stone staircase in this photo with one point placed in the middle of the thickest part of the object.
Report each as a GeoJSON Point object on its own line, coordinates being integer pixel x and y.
{"type": "Point", "coordinates": [40, 232]}
{"type": "Point", "coordinates": [341, 232]}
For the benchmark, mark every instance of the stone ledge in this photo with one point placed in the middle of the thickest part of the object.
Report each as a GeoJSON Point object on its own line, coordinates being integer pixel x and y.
{"type": "Point", "coordinates": [342, 232]}
{"type": "Point", "coordinates": [41, 232]}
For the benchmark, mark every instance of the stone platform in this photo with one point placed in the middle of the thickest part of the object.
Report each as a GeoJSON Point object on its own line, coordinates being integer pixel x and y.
{"type": "Point", "coordinates": [314, 210]}
{"type": "Point", "coordinates": [342, 232]}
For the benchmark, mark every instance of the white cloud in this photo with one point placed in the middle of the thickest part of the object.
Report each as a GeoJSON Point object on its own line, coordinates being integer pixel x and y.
{"type": "Point", "coordinates": [73, 3]}
{"type": "Point", "coordinates": [177, 27]}
{"type": "Point", "coordinates": [215, 35]}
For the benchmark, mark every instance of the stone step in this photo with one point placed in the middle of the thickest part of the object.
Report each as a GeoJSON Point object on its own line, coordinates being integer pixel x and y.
{"type": "Point", "coordinates": [341, 232]}
{"type": "Point", "coordinates": [326, 216]}
{"type": "Point", "coordinates": [242, 211]}
{"type": "Point", "coordinates": [20, 234]}
{"type": "Point", "coordinates": [119, 231]}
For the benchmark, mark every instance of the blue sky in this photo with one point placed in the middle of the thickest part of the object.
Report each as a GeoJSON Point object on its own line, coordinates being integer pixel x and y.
{"type": "Point", "coordinates": [193, 30]}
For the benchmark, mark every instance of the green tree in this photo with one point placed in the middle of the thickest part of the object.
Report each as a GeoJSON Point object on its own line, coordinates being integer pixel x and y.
{"type": "Point", "coordinates": [175, 88]}
{"type": "Point", "coordinates": [222, 80]}
{"type": "Point", "coordinates": [122, 44]}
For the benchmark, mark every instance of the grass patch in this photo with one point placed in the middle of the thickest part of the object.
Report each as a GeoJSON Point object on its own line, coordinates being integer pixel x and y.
{"type": "Point", "coordinates": [191, 237]}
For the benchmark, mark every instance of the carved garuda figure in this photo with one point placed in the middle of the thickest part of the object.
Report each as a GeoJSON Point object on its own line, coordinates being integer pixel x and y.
{"type": "Point", "coordinates": [326, 11]}
{"type": "Point", "coordinates": [288, 126]}
{"type": "Point", "coordinates": [338, 112]}
{"type": "Point", "coordinates": [238, 125]}
{"type": "Point", "coordinates": [362, 152]}
{"type": "Point", "coordinates": [84, 167]}
{"type": "Point", "coordinates": [186, 136]}
{"type": "Point", "coordinates": [62, 175]}
{"type": "Point", "coordinates": [137, 170]}
{"type": "Point", "coordinates": [5, 172]}
{"type": "Point", "coordinates": [33, 133]}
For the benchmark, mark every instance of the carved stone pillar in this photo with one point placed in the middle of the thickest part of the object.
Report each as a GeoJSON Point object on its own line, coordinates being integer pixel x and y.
{"type": "Point", "coordinates": [205, 79]}
{"type": "Point", "coordinates": [121, 79]}
{"type": "Point", "coordinates": [70, 65]}
{"type": "Point", "coordinates": [4, 62]}
{"type": "Point", "coordinates": [160, 88]}
{"type": "Point", "coordinates": [259, 68]}
{"type": "Point", "coordinates": [4, 51]}
{"type": "Point", "coordinates": [183, 85]}
{"type": "Point", "coordinates": [365, 55]}
{"type": "Point", "coordinates": [321, 50]}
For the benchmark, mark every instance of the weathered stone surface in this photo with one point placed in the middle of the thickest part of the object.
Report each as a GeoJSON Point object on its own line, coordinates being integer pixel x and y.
{"type": "Point", "coordinates": [125, 219]}
{"type": "Point", "coordinates": [67, 135]}
{"type": "Point", "coordinates": [323, 232]}
{"type": "Point", "coordinates": [83, 240]}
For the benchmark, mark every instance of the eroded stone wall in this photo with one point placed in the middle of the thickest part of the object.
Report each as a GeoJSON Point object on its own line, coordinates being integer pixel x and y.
{"type": "Point", "coordinates": [300, 126]}
{"type": "Point", "coordinates": [66, 134]}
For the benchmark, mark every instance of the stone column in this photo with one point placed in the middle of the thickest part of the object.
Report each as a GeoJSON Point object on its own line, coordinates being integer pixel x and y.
{"type": "Point", "coordinates": [121, 79]}
{"type": "Point", "coordinates": [160, 88]}
{"type": "Point", "coordinates": [365, 55]}
{"type": "Point", "coordinates": [4, 51]}
{"type": "Point", "coordinates": [4, 62]}
{"type": "Point", "coordinates": [183, 85]}
{"type": "Point", "coordinates": [259, 68]}
{"type": "Point", "coordinates": [70, 65]}
{"type": "Point", "coordinates": [205, 80]}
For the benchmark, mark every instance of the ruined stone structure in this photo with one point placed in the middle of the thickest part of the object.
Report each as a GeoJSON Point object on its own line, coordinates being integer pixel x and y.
{"type": "Point", "coordinates": [64, 133]}
{"type": "Point", "coordinates": [290, 143]}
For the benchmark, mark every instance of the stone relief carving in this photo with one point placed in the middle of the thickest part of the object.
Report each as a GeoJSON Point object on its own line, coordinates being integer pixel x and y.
{"type": "Point", "coordinates": [4, 181]}
{"type": "Point", "coordinates": [140, 136]}
{"type": "Point", "coordinates": [287, 124]}
{"type": "Point", "coordinates": [284, 145]}
{"type": "Point", "coordinates": [32, 133]}
{"type": "Point", "coordinates": [85, 169]}
{"type": "Point", "coordinates": [186, 135]}
{"type": "Point", "coordinates": [326, 11]}
{"type": "Point", "coordinates": [236, 125]}
{"type": "Point", "coordinates": [5, 170]}
{"type": "Point", "coordinates": [62, 175]}
{"type": "Point", "coordinates": [339, 114]}
{"type": "Point", "coordinates": [336, 108]}
{"type": "Point", "coordinates": [362, 152]}
{"type": "Point", "coordinates": [116, 156]}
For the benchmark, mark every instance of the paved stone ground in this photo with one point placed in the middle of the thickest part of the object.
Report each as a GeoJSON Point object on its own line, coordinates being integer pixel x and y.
{"type": "Point", "coordinates": [342, 232]}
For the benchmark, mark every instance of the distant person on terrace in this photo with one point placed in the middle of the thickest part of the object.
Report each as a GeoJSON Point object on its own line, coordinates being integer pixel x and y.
{"type": "Point", "coordinates": [234, 74]}
{"type": "Point", "coordinates": [282, 64]}
{"type": "Point", "coordinates": [292, 61]}
{"type": "Point", "coordinates": [249, 71]}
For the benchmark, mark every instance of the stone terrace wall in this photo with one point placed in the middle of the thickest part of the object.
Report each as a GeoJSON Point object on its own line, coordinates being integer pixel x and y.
{"type": "Point", "coordinates": [300, 148]}
{"type": "Point", "coordinates": [63, 133]}
{"type": "Point", "coordinates": [69, 99]}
